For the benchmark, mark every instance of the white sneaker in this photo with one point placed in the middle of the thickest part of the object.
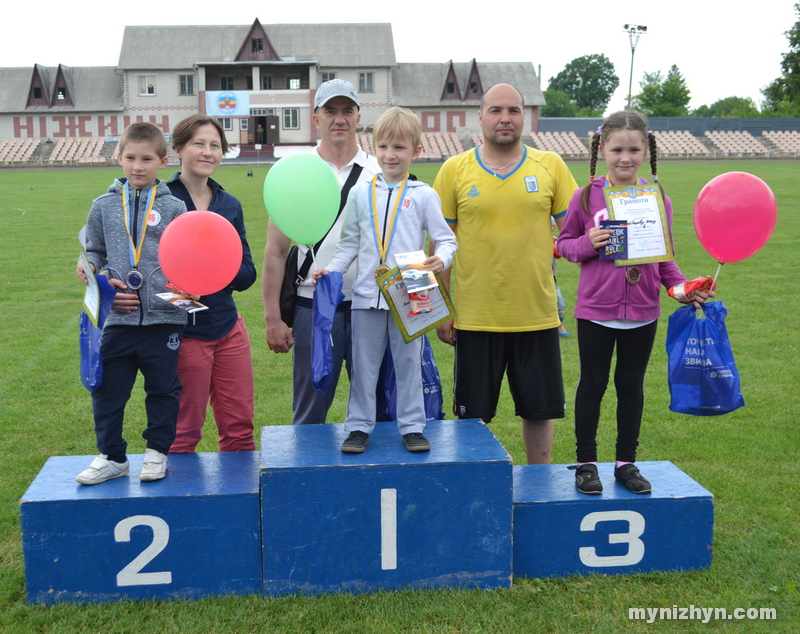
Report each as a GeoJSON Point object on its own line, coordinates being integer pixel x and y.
{"type": "Point", "coordinates": [154, 466]}
{"type": "Point", "coordinates": [103, 469]}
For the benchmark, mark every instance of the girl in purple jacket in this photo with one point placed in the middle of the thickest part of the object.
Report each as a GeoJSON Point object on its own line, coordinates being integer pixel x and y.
{"type": "Point", "coordinates": [616, 306]}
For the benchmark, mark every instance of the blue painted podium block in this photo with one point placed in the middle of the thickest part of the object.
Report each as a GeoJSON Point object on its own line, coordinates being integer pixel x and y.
{"type": "Point", "coordinates": [386, 518]}
{"type": "Point", "coordinates": [193, 534]}
{"type": "Point", "coordinates": [559, 531]}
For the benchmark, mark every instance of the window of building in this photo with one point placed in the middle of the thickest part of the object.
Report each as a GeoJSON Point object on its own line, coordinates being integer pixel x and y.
{"type": "Point", "coordinates": [365, 82]}
{"type": "Point", "coordinates": [258, 45]}
{"type": "Point", "coordinates": [249, 82]}
{"type": "Point", "coordinates": [266, 82]}
{"type": "Point", "coordinates": [258, 112]}
{"type": "Point", "coordinates": [291, 119]}
{"type": "Point", "coordinates": [293, 83]}
{"type": "Point", "coordinates": [147, 85]}
{"type": "Point", "coordinates": [328, 76]}
{"type": "Point", "coordinates": [272, 112]}
{"type": "Point", "coordinates": [227, 124]}
{"type": "Point", "coordinates": [186, 84]}
{"type": "Point", "coordinates": [226, 83]}
{"type": "Point", "coordinates": [37, 92]}
{"type": "Point", "coordinates": [61, 93]}
{"type": "Point", "coordinates": [451, 87]}
{"type": "Point", "coordinates": [473, 87]}
{"type": "Point", "coordinates": [244, 124]}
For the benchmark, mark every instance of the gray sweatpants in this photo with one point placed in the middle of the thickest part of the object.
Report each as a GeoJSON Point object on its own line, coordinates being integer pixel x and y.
{"type": "Point", "coordinates": [370, 329]}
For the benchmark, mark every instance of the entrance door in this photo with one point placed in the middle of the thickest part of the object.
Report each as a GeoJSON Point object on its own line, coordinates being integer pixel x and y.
{"type": "Point", "coordinates": [273, 130]}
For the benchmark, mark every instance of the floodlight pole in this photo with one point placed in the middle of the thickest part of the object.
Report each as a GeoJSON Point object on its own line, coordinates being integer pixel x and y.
{"type": "Point", "coordinates": [634, 31]}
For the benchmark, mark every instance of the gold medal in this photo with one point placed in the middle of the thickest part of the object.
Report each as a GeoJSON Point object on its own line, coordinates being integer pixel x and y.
{"type": "Point", "coordinates": [383, 269]}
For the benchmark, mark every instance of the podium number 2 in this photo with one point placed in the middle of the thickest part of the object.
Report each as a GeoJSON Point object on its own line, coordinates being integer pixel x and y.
{"type": "Point", "coordinates": [130, 575]}
{"type": "Point", "coordinates": [589, 556]}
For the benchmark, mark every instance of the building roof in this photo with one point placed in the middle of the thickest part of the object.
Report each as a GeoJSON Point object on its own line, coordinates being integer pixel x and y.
{"type": "Point", "coordinates": [176, 47]}
{"type": "Point", "coordinates": [421, 85]}
{"type": "Point", "coordinates": [92, 88]}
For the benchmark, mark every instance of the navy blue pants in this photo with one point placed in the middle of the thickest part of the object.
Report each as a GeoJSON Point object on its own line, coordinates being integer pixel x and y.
{"type": "Point", "coordinates": [126, 350]}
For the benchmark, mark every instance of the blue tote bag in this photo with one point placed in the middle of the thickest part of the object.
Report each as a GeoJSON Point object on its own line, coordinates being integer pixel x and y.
{"type": "Point", "coordinates": [703, 379]}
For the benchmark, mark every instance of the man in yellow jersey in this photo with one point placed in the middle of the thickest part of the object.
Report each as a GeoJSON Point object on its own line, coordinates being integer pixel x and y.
{"type": "Point", "coordinates": [499, 198]}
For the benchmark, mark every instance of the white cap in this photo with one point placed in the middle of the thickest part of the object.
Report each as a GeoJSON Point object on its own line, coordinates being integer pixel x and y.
{"type": "Point", "coordinates": [335, 88]}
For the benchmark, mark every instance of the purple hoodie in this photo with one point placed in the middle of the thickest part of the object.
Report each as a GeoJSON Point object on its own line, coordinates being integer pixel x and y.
{"type": "Point", "coordinates": [603, 291]}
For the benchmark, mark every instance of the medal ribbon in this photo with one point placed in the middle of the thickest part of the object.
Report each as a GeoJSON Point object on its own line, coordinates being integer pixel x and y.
{"type": "Point", "coordinates": [382, 244]}
{"type": "Point", "coordinates": [136, 250]}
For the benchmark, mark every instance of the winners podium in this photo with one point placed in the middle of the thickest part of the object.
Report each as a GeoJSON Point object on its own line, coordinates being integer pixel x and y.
{"type": "Point", "coordinates": [300, 516]}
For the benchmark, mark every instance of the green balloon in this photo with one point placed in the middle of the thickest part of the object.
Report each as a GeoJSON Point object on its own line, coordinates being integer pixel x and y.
{"type": "Point", "coordinates": [302, 197]}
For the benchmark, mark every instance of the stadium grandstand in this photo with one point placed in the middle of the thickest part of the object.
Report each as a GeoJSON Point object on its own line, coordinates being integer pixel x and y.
{"type": "Point", "coordinates": [260, 81]}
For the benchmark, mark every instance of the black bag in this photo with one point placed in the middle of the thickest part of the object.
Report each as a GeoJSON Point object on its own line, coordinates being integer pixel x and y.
{"type": "Point", "coordinates": [291, 282]}
{"type": "Point", "coordinates": [294, 276]}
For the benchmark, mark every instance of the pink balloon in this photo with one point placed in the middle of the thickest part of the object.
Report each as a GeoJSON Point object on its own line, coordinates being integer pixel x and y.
{"type": "Point", "coordinates": [200, 252]}
{"type": "Point", "coordinates": [734, 216]}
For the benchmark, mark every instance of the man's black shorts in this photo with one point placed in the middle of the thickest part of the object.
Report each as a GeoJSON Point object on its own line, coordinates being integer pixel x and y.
{"type": "Point", "coordinates": [532, 360]}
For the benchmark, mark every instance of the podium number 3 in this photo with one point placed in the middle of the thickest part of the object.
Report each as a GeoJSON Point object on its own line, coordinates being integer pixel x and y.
{"type": "Point", "coordinates": [130, 575]}
{"type": "Point", "coordinates": [589, 556]}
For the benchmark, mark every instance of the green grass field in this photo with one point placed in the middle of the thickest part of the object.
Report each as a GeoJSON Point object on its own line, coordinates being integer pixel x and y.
{"type": "Point", "coordinates": [748, 459]}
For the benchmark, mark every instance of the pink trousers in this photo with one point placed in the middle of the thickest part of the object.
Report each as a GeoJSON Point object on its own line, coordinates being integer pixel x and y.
{"type": "Point", "coordinates": [219, 372]}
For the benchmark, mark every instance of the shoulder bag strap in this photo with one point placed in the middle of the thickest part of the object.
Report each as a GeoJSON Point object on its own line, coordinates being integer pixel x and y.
{"type": "Point", "coordinates": [355, 172]}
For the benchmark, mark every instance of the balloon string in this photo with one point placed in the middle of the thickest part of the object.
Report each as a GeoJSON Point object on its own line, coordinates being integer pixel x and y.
{"type": "Point", "coordinates": [716, 275]}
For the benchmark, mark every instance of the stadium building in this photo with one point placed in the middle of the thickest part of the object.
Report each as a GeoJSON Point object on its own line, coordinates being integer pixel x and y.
{"type": "Point", "coordinates": [260, 81]}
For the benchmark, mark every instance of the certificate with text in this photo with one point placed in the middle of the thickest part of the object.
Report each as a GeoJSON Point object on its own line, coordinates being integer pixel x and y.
{"type": "Point", "coordinates": [642, 207]}
{"type": "Point", "coordinates": [393, 289]}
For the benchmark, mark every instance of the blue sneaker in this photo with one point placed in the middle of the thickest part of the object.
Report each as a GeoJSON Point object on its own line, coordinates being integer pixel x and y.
{"type": "Point", "coordinates": [562, 332]}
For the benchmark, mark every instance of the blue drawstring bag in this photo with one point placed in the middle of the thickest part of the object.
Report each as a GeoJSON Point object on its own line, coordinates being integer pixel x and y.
{"type": "Point", "coordinates": [703, 379]}
{"type": "Point", "coordinates": [431, 385]}
{"type": "Point", "coordinates": [90, 336]}
{"type": "Point", "coordinates": [327, 296]}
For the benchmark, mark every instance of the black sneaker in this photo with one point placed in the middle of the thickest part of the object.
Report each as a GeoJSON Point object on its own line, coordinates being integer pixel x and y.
{"type": "Point", "coordinates": [416, 442]}
{"type": "Point", "coordinates": [587, 480]}
{"type": "Point", "coordinates": [629, 475]}
{"type": "Point", "coordinates": [356, 442]}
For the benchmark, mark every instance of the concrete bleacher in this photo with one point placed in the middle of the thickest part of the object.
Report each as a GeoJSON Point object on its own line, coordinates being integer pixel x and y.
{"type": "Point", "coordinates": [82, 151]}
{"type": "Point", "coordinates": [735, 143]}
{"type": "Point", "coordinates": [677, 143]}
{"type": "Point", "coordinates": [435, 146]}
{"type": "Point", "coordinates": [17, 150]}
{"type": "Point", "coordinates": [785, 142]}
{"type": "Point", "coordinates": [566, 144]}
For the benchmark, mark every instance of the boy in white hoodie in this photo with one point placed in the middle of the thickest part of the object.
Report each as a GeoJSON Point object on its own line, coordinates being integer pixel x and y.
{"type": "Point", "coordinates": [389, 214]}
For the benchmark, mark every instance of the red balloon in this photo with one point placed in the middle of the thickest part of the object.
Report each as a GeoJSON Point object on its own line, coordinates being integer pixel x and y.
{"type": "Point", "coordinates": [734, 216]}
{"type": "Point", "coordinates": [200, 252]}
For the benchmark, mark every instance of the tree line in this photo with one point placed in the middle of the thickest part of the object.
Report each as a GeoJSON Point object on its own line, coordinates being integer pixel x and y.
{"type": "Point", "coordinates": [585, 85]}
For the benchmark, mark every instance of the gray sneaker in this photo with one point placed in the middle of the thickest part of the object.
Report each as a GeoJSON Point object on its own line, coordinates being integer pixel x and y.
{"type": "Point", "coordinates": [154, 466]}
{"type": "Point", "coordinates": [103, 469]}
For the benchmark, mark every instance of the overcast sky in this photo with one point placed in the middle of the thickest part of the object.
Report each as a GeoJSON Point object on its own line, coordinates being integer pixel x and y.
{"type": "Point", "coordinates": [720, 50]}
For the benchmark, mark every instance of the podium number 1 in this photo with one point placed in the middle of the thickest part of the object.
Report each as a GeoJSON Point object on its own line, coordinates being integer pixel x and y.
{"type": "Point", "coordinates": [388, 529]}
{"type": "Point", "coordinates": [130, 575]}
{"type": "Point", "coordinates": [589, 556]}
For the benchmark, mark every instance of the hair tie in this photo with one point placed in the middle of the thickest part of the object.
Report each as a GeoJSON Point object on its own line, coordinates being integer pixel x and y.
{"type": "Point", "coordinates": [600, 129]}
{"type": "Point", "coordinates": [591, 179]}
{"type": "Point", "coordinates": [655, 178]}
{"type": "Point", "coordinates": [649, 133]}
